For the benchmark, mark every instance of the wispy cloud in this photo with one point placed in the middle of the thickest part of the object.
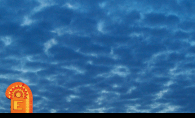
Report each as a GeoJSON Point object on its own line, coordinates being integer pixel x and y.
{"type": "Point", "coordinates": [7, 40]}
{"type": "Point", "coordinates": [119, 70]}
{"type": "Point", "coordinates": [71, 97]}
{"type": "Point", "coordinates": [49, 44]}
{"type": "Point", "coordinates": [27, 21]}
{"type": "Point", "coordinates": [161, 93]}
{"type": "Point", "coordinates": [43, 4]}
{"type": "Point", "coordinates": [101, 27]}
{"type": "Point", "coordinates": [76, 69]}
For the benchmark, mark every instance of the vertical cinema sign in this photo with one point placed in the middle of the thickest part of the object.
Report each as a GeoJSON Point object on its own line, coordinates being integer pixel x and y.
{"type": "Point", "coordinates": [21, 98]}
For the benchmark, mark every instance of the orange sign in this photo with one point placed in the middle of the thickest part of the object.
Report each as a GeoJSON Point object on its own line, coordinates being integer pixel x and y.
{"type": "Point", "coordinates": [21, 98]}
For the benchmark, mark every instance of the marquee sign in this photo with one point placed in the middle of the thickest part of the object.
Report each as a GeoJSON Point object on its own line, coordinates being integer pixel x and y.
{"type": "Point", "coordinates": [21, 98]}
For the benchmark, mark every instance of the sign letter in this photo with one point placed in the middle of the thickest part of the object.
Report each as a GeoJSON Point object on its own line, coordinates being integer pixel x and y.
{"type": "Point", "coordinates": [16, 105]}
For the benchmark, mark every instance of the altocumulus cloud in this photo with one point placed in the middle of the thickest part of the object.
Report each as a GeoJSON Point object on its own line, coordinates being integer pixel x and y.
{"type": "Point", "coordinates": [100, 55]}
{"type": "Point", "coordinates": [49, 44]}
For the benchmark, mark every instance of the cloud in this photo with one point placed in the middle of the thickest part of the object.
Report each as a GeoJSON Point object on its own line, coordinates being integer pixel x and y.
{"type": "Point", "coordinates": [71, 97]}
{"type": "Point", "coordinates": [97, 110]}
{"type": "Point", "coordinates": [102, 5]}
{"type": "Point", "coordinates": [68, 30]}
{"type": "Point", "coordinates": [53, 111]}
{"type": "Point", "coordinates": [49, 44]}
{"type": "Point", "coordinates": [121, 71]}
{"type": "Point", "coordinates": [135, 109]}
{"type": "Point", "coordinates": [100, 27]}
{"type": "Point", "coordinates": [164, 107]}
{"type": "Point", "coordinates": [131, 90]}
{"type": "Point", "coordinates": [75, 69]}
{"type": "Point", "coordinates": [161, 93]}
{"type": "Point", "coordinates": [71, 6]}
{"type": "Point", "coordinates": [43, 4]}
{"type": "Point", "coordinates": [7, 40]}
{"type": "Point", "coordinates": [27, 21]}
{"type": "Point", "coordinates": [169, 83]}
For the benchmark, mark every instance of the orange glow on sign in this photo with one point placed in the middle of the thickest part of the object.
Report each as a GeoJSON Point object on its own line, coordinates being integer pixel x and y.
{"type": "Point", "coordinates": [21, 98]}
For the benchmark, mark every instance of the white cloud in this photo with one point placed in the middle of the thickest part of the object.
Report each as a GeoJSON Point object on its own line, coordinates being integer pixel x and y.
{"type": "Point", "coordinates": [27, 81]}
{"type": "Point", "coordinates": [60, 31]}
{"type": "Point", "coordinates": [77, 70]}
{"type": "Point", "coordinates": [136, 35]}
{"type": "Point", "coordinates": [27, 21]}
{"type": "Point", "coordinates": [102, 5]}
{"type": "Point", "coordinates": [121, 71]}
{"type": "Point", "coordinates": [100, 100]}
{"type": "Point", "coordinates": [163, 55]}
{"type": "Point", "coordinates": [165, 107]}
{"type": "Point", "coordinates": [2, 108]}
{"type": "Point", "coordinates": [160, 94]}
{"type": "Point", "coordinates": [136, 109]}
{"type": "Point", "coordinates": [71, 97]}
{"type": "Point", "coordinates": [49, 44]}
{"type": "Point", "coordinates": [53, 111]}
{"type": "Point", "coordinates": [25, 69]}
{"type": "Point", "coordinates": [115, 86]}
{"type": "Point", "coordinates": [7, 40]}
{"type": "Point", "coordinates": [192, 43]}
{"type": "Point", "coordinates": [169, 109]}
{"type": "Point", "coordinates": [169, 83]}
{"type": "Point", "coordinates": [97, 55]}
{"type": "Point", "coordinates": [43, 4]}
{"type": "Point", "coordinates": [118, 70]}
{"type": "Point", "coordinates": [106, 96]}
{"type": "Point", "coordinates": [97, 110]}
{"type": "Point", "coordinates": [64, 30]}
{"type": "Point", "coordinates": [112, 55]}
{"type": "Point", "coordinates": [100, 27]}
{"type": "Point", "coordinates": [90, 62]}
{"type": "Point", "coordinates": [24, 80]}
{"type": "Point", "coordinates": [190, 55]}
{"type": "Point", "coordinates": [177, 70]}
{"type": "Point", "coordinates": [76, 7]}
{"type": "Point", "coordinates": [131, 90]}
{"type": "Point", "coordinates": [91, 54]}
{"type": "Point", "coordinates": [71, 6]}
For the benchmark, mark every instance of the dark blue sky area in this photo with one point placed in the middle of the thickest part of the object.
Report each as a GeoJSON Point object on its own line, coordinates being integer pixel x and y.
{"type": "Point", "coordinates": [100, 56]}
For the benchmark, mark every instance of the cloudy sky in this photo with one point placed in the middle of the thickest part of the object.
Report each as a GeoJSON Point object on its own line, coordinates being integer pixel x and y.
{"type": "Point", "coordinates": [100, 56]}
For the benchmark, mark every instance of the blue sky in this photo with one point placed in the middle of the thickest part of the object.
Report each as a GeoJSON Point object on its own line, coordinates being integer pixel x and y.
{"type": "Point", "coordinates": [100, 56]}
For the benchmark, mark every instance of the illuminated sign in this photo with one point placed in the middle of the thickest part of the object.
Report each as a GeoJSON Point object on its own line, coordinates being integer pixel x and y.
{"type": "Point", "coordinates": [21, 98]}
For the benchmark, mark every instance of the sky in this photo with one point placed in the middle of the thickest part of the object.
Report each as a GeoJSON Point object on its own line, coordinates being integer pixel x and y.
{"type": "Point", "coordinates": [100, 56]}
